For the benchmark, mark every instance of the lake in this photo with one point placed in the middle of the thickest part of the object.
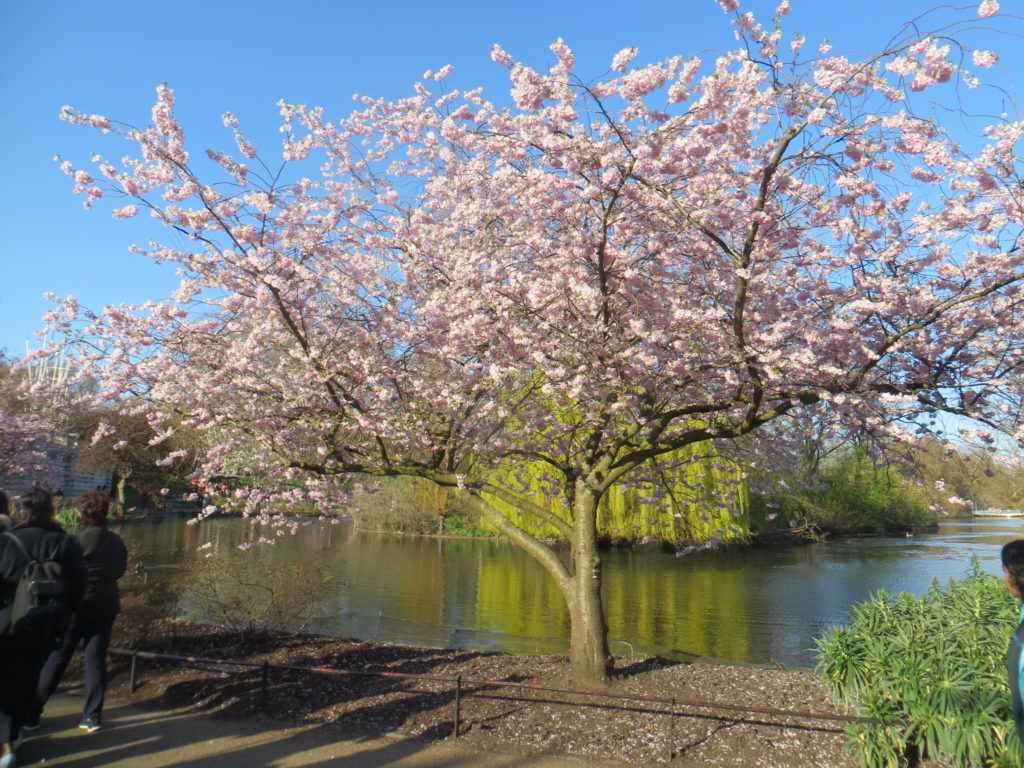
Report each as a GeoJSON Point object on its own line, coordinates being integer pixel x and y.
{"type": "Point", "coordinates": [758, 605]}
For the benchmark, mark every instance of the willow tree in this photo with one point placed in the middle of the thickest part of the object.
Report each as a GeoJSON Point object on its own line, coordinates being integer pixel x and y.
{"type": "Point", "coordinates": [689, 497]}
{"type": "Point", "coordinates": [675, 253]}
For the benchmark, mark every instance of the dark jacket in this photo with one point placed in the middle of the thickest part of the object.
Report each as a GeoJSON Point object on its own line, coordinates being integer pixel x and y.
{"type": "Point", "coordinates": [1015, 674]}
{"type": "Point", "coordinates": [105, 561]}
{"type": "Point", "coordinates": [44, 541]}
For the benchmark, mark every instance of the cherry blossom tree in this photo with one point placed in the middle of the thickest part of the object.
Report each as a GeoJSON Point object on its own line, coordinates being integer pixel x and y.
{"type": "Point", "coordinates": [122, 443]}
{"type": "Point", "coordinates": [28, 453]}
{"type": "Point", "coordinates": [597, 274]}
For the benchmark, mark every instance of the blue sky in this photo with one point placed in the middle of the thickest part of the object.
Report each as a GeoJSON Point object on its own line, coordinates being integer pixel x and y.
{"type": "Point", "coordinates": [107, 57]}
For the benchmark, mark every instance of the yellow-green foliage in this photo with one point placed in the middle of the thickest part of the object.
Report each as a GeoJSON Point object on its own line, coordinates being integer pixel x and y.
{"type": "Point", "coordinates": [519, 602]}
{"type": "Point", "coordinates": [642, 604]}
{"type": "Point", "coordinates": [688, 497]}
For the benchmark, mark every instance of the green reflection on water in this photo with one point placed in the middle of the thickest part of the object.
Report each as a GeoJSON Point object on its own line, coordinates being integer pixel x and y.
{"type": "Point", "coordinates": [751, 605]}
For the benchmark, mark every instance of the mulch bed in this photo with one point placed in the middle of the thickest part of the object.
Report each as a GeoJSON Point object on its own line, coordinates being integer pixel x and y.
{"type": "Point", "coordinates": [635, 731]}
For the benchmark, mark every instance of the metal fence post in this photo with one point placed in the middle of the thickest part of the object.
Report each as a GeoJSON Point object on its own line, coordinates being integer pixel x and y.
{"type": "Point", "coordinates": [458, 704]}
{"type": "Point", "coordinates": [131, 675]}
{"type": "Point", "coordinates": [671, 731]}
{"type": "Point", "coordinates": [263, 685]}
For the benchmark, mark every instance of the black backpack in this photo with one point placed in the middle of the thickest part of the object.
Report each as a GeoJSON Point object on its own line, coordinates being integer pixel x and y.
{"type": "Point", "coordinates": [39, 606]}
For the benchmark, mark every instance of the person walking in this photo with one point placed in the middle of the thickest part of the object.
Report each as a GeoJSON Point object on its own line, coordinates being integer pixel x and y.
{"type": "Point", "coordinates": [22, 654]}
{"type": "Point", "coordinates": [106, 559]}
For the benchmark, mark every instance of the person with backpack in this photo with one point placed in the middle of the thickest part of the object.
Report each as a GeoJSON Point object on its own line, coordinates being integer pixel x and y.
{"type": "Point", "coordinates": [30, 630]}
{"type": "Point", "coordinates": [106, 560]}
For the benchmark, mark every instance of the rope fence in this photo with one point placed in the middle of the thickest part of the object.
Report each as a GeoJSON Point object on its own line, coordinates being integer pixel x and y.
{"type": "Point", "coordinates": [463, 687]}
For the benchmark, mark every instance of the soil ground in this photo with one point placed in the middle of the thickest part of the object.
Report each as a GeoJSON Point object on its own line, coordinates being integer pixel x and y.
{"type": "Point", "coordinates": [646, 729]}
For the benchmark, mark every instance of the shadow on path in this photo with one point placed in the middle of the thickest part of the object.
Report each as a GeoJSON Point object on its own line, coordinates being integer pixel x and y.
{"type": "Point", "coordinates": [137, 737]}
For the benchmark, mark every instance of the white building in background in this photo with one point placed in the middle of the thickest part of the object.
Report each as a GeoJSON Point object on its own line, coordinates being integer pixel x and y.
{"type": "Point", "coordinates": [74, 482]}
{"type": "Point", "coordinates": [70, 480]}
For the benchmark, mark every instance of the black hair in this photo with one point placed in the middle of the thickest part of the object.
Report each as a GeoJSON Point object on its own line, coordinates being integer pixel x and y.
{"type": "Point", "coordinates": [38, 505]}
{"type": "Point", "coordinates": [1012, 556]}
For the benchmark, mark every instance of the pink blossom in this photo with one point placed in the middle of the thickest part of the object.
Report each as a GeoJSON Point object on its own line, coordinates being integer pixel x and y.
{"type": "Point", "coordinates": [622, 59]}
{"type": "Point", "coordinates": [566, 59]}
{"type": "Point", "coordinates": [499, 55]}
{"type": "Point", "coordinates": [988, 8]}
{"type": "Point", "coordinates": [103, 429]}
{"type": "Point", "coordinates": [729, 5]}
{"type": "Point", "coordinates": [816, 115]}
{"type": "Point", "coordinates": [985, 58]}
{"type": "Point", "coordinates": [25, 448]}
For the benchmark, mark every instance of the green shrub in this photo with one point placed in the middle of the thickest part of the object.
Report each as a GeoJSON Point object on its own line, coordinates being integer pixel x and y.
{"type": "Point", "coordinates": [465, 525]}
{"type": "Point", "coordinates": [402, 505]}
{"type": "Point", "coordinates": [67, 518]}
{"type": "Point", "coordinates": [146, 606]}
{"type": "Point", "coordinates": [930, 672]}
{"type": "Point", "coordinates": [250, 593]}
{"type": "Point", "coordinates": [851, 494]}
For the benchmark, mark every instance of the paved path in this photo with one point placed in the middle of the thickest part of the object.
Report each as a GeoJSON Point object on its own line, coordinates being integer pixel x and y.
{"type": "Point", "coordinates": [133, 737]}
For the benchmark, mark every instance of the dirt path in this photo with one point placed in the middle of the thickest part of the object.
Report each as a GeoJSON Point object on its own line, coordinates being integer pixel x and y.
{"type": "Point", "coordinates": [137, 737]}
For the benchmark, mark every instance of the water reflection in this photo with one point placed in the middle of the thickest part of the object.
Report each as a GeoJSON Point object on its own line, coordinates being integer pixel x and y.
{"type": "Point", "coordinates": [756, 605]}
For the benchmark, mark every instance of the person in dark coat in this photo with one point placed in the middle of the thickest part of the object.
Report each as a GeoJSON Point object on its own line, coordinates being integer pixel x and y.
{"type": "Point", "coordinates": [105, 560]}
{"type": "Point", "coordinates": [22, 655]}
{"type": "Point", "coordinates": [1012, 556]}
{"type": "Point", "coordinates": [5, 519]}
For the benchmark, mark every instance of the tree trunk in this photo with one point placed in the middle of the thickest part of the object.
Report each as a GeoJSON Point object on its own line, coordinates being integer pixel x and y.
{"type": "Point", "coordinates": [579, 582]}
{"type": "Point", "coordinates": [588, 649]}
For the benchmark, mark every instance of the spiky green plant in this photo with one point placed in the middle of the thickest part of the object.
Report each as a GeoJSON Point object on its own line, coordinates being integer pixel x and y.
{"type": "Point", "coordinates": [930, 672]}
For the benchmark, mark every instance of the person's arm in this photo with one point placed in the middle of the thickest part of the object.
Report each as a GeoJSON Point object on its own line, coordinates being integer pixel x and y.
{"type": "Point", "coordinates": [11, 562]}
{"type": "Point", "coordinates": [120, 559]}
{"type": "Point", "coordinates": [75, 574]}
{"type": "Point", "coordinates": [1020, 672]}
